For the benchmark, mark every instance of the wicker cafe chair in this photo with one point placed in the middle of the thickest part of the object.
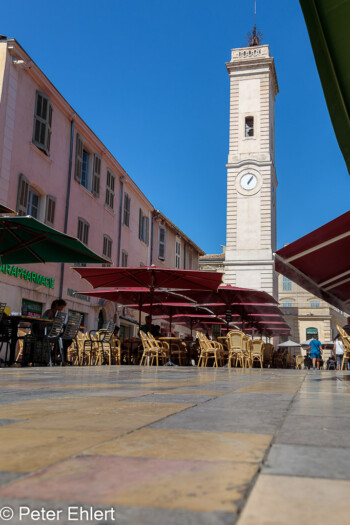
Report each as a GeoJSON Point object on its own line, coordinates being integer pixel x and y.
{"type": "Point", "coordinates": [256, 354]}
{"type": "Point", "coordinates": [98, 346]}
{"type": "Point", "coordinates": [153, 349]}
{"type": "Point", "coordinates": [346, 343]}
{"type": "Point", "coordinates": [209, 350]}
{"type": "Point", "coordinates": [235, 340]}
{"type": "Point", "coordinates": [299, 362]}
{"type": "Point", "coordinates": [267, 354]}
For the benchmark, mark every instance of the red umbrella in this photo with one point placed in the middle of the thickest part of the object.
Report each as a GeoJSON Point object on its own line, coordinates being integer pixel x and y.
{"type": "Point", "coordinates": [320, 262]}
{"type": "Point", "coordinates": [150, 277]}
{"type": "Point", "coordinates": [130, 296]}
{"type": "Point", "coordinates": [230, 296]}
{"type": "Point", "coordinates": [173, 309]}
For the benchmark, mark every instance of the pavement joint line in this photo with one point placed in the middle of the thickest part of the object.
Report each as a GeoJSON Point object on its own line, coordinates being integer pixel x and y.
{"type": "Point", "coordinates": [240, 507]}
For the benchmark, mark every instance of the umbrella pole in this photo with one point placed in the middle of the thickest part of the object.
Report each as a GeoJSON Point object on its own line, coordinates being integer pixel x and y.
{"type": "Point", "coordinates": [140, 306]}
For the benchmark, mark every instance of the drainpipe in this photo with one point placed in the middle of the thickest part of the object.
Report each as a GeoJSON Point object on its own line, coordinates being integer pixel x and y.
{"type": "Point", "coordinates": [67, 198]}
{"type": "Point", "coordinates": [185, 246]}
{"type": "Point", "coordinates": [120, 219]}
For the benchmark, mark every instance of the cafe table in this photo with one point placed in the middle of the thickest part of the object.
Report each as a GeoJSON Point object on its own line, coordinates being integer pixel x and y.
{"type": "Point", "coordinates": [14, 321]}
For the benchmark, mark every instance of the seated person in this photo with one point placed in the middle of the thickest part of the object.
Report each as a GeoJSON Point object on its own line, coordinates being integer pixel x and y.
{"type": "Point", "coordinates": [149, 327]}
{"type": "Point", "coordinates": [56, 306]}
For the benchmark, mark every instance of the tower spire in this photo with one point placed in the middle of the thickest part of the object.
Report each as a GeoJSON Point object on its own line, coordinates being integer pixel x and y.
{"type": "Point", "coordinates": [255, 37]}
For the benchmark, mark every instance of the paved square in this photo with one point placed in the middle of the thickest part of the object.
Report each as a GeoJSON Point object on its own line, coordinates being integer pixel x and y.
{"type": "Point", "coordinates": [181, 445]}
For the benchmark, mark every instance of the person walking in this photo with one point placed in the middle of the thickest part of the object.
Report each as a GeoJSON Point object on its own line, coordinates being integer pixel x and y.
{"type": "Point", "coordinates": [338, 351]}
{"type": "Point", "coordinates": [315, 354]}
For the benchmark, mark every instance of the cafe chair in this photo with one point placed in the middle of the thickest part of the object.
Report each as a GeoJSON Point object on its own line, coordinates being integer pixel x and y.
{"type": "Point", "coordinates": [267, 354]}
{"type": "Point", "coordinates": [299, 362]}
{"type": "Point", "coordinates": [2, 308]}
{"type": "Point", "coordinates": [37, 348]}
{"type": "Point", "coordinates": [70, 332]}
{"type": "Point", "coordinates": [98, 346]}
{"type": "Point", "coordinates": [236, 356]}
{"type": "Point", "coordinates": [153, 350]}
{"type": "Point", "coordinates": [346, 343]}
{"type": "Point", "coordinates": [209, 350]}
{"type": "Point", "coordinates": [256, 354]}
{"type": "Point", "coordinates": [6, 331]}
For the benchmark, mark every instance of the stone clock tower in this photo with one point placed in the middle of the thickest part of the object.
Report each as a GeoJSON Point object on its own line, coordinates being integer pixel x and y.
{"type": "Point", "coordinates": [251, 175]}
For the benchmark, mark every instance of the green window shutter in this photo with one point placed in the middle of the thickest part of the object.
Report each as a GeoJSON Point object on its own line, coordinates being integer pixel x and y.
{"type": "Point", "coordinates": [22, 195]}
{"type": "Point", "coordinates": [78, 158]}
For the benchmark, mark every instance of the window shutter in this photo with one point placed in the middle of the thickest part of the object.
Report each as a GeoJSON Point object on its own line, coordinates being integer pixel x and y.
{"type": "Point", "coordinates": [50, 210]}
{"type": "Point", "coordinates": [42, 122]}
{"type": "Point", "coordinates": [161, 249]}
{"type": "Point", "coordinates": [140, 224]}
{"type": "Point", "coordinates": [78, 158]}
{"type": "Point", "coordinates": [96, 175]}
{"type": "Point", "coordinates": [22, 195]}
{"type": "Point", "coordinates": [146, 231]}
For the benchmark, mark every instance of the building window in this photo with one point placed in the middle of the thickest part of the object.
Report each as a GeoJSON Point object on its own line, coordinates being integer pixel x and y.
{"type": "Point", "coordinates": [107, 247]}
{"type": "Point", "coordinates": [22, 195]}
{"type": "Point", "coordinates": [124, 258]}
{"type": "Point", "coordinates": [33, 206]}
{"type": "Point", "coordinates": [161, 244]}
{"type": "Point", "coordinates": [177, 253]}
{"type": "Point", "coordinates": [315, 304]}
{"type": "Point", "coordinates": [110, 190]}
{"type": "Point", "coordinates": [287, 304]}
{"type": "Point", "coordinates": [143, 227]}
{"type": "Point", "coordinates": [126, 210]}
{"type": "Point", "coordinates": [83, 231]}
{"type": "Point", "coordinates": [249, 127]}
{"type": "Point", "coordinates": [286, 284]}
{"type": "Point", "coordinates": [42, 123]}
{"type": "Point", "coordinates": [50, 210]}
{"type": "Point", "coordinates": [311, 332]}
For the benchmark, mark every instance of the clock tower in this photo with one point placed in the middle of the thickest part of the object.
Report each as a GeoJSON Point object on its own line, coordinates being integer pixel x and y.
{"type": "Point", "coordinates": [251, 175]}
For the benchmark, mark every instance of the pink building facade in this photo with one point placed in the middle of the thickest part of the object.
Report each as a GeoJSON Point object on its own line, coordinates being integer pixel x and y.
{"type": "Point", "coordinates": [53, 167]}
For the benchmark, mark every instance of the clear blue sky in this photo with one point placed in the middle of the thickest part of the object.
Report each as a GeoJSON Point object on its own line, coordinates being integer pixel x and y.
{"type": "Point", "coordinates": [149, 77]}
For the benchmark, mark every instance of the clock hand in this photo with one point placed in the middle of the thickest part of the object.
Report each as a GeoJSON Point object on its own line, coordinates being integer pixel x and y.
{"type": "Point", "coordinates": [250, 180]}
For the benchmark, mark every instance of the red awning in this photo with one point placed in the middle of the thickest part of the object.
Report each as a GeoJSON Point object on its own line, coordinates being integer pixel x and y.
{"type": "Point", "coordinates": [320, 262]}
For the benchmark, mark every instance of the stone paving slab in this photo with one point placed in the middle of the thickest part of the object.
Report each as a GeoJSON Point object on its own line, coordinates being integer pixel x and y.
{"type": "Point", "coordinates": [288, 500]}
{"type": "Point", "coordinates": [308, 461]}
{"type": "Point", "coordinates": [323, 431]}
{"type": "Point", "coordinates": [225, 420]}
{"type": "Point", "coordinates": [184, 445]}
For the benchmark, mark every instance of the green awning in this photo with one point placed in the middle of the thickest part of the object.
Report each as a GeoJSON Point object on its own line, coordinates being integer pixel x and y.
{"type": "Point", "coordinates": [328, 22]}
{"type": "Point", "coordinates": [27, 240]}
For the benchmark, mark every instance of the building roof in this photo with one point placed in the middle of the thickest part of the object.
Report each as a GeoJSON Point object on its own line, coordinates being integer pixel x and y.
{"type": "Point", "coordinates": [158, 213]}
{"type": "Point", "coordinates": [212, 257]}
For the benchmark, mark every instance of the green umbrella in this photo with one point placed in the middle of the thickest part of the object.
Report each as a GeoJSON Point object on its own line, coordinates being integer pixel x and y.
{"type": "Point", "coordinates": [27, 240]}
{"type": "Point", "coordinates": [5, 209]}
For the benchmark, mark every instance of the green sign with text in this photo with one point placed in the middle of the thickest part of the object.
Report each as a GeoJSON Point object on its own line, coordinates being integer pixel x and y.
{"type": "Point", "coordinates": [27, 275]}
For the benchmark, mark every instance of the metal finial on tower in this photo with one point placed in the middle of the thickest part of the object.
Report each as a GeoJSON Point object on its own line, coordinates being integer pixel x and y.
{"type": "Point", "coordinates": [255, 37]}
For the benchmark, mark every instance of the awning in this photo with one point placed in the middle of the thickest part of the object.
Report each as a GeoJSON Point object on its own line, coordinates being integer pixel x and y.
{"type": "Point", "coordinates": [320, 262]}
{"type": "Point", "coordinates": [327, 22]}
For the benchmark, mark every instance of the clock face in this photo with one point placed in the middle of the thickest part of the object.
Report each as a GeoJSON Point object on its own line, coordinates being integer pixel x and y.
{"type": "Point", "coordinates": [249, 181]}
